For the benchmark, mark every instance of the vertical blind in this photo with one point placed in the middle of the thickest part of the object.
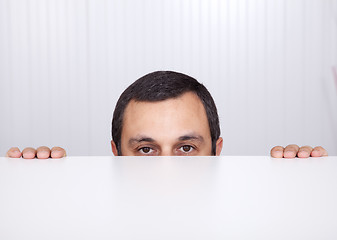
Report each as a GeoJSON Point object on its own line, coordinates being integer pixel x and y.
{"type": "Point", "coordinates": [268, 64]}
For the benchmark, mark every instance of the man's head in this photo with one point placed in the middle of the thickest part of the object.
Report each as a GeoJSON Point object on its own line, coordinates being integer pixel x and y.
{"type": "Point", "coordinates": [166, 113]}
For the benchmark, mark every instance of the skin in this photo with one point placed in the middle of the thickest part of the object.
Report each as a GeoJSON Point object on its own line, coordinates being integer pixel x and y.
{"type": "Point", "coordinates": [174, 127]}
{"type": "Point", "coordinates": [42, 152]}
{"type": "Point", "coordinates": [293, 150]}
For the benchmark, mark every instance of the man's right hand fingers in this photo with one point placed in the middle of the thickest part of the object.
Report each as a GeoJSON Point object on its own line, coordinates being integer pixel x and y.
{"type": "Point", "coordinates": [40, 153]}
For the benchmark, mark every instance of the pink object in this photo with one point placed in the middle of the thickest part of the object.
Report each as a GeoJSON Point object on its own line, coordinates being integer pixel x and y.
{"type": "Point", "coordinates": [334, 72]}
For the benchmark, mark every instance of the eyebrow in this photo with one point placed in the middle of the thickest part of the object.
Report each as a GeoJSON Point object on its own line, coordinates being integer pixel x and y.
{"type": "Point", "coordinates": [140, 139]}
{"type": "Point", "coordinates": [191, 137]}
{"type": "Point", "coordinates": [187, 137]}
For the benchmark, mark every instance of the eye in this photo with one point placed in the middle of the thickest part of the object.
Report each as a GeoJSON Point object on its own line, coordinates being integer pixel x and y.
{"type": "Point", "coordinates": [145, 150]}
{"type": "Point", "coordinates": [186, 148]}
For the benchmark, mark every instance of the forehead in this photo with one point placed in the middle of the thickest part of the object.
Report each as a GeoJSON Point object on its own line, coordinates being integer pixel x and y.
{"type": "Point", "coordinates": [167, 118]}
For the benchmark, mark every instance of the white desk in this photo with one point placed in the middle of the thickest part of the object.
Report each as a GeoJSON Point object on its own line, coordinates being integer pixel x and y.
{"type": "Point", "coordinates": [168, 198]}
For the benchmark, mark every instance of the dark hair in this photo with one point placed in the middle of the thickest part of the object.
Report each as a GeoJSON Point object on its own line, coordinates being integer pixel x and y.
{"type": "Point", "coordinates": [162, 85]}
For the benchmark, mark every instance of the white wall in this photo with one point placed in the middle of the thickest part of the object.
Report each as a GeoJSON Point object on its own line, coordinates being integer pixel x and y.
{"type": "Point", "coordinates": [268, 64]}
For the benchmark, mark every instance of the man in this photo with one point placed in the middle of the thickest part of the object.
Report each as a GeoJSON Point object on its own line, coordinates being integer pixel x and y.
{"type": "Point", "coordinates": [166, 113]}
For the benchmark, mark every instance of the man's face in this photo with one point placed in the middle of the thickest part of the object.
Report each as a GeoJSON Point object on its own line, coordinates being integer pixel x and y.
{"type": "Point", "coordinates": [173, 127]}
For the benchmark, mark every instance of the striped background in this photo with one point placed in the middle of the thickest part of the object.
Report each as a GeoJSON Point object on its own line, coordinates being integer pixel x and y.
{"type": "Point", "coordinates": [268, 64]}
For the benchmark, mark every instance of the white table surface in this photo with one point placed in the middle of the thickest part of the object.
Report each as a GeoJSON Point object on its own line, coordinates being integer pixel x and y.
{"type": "Point", "coordinates": [168, 198]}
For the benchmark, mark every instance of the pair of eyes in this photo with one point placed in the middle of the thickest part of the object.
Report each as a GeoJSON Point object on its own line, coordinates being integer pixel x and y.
{"type": "Point", "coordinates": [183, 149]}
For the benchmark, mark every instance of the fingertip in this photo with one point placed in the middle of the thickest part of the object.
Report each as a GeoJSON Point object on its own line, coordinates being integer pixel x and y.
{"type": "Point", "coordinates": [43, 155]}
{"type": "Point", "coordinates": [277, 152]}
{"type": "Point", "coordinates": [14, 153]}
{"type": "Point", "coordinates": [17, 154]}
{"type": "Point", "coordinates": [316, 153]}
{"type": "Point", "coordinates": [29, 155]}
{"type": "Point", "coordinates": [291, 151]}
{"type": "Point", "coordinates": [319, 152]}
{"type": "Point", "coordinates": [58, 152]}
{"type": "Point", "coordinates": [289, 154]}
{"type": "Point", "coordinates": [303, 154]}
{"type": "Point", "coordinates": [43, 152]}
